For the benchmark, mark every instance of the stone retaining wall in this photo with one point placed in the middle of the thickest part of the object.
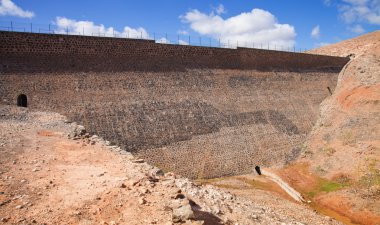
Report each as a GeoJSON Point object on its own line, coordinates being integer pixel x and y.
{"type": "Point", "coordinates": [202, 112]}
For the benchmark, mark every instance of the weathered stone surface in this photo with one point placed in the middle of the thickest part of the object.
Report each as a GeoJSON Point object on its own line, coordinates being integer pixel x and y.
{"type": "Point", "coordinates": [201, 112]}
{"type": "Point", "coordinates": [59, 53]}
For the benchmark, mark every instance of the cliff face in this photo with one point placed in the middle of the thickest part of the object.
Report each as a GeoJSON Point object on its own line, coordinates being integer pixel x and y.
{"type": "Point", "coordinates": [217, 114]}
{"type": "Point", "coordinates": [346, 138]}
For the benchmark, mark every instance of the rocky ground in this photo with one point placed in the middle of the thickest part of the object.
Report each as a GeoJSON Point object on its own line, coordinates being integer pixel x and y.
{"type": "Point", "coordinates": [52, 172]}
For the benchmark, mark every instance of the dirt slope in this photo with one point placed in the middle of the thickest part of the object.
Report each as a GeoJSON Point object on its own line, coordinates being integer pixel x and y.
{"type": "Point", "coordinates": [357, 46]}
{"type": "Point", "coordinates": [46, 178]}
{"type": "Point", "coordinates": [344, 145]}
{"type": "Point", "coordinates": [348, 130]}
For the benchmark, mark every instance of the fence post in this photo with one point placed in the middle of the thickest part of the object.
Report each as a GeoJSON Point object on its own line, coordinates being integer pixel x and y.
{"type": "Point", "coordinates": [49, 27]}
{"type": "Point", "coordinates": [31, 27]}
{"type": "Point", "coordinates": [189, 39]}
{"type": "Point", "coordinates": [200, 41]}
{"type": "Point", "coordinates": [11, 26]}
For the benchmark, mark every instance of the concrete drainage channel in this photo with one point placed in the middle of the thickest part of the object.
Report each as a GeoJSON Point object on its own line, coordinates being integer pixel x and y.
{"type": "Point", "coordinates": [286, 187]}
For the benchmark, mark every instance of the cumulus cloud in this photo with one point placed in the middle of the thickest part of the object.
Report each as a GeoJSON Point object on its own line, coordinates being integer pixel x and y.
{"type": "Point", "coordinates": [163, 41]}
{"type": "Point", "coordinates": [368, 11]}
{"type": "Point", "coordinates": [220, 9]}
{"type": "Point", "coordinates": [357, 29]}
{"type": "Point", "coordinates": [182, 42]}
{"type": "Point", "coordinates": [315, 32]}
{"type": "Point", "coordinates": [256, 26]}
{"type": "Point", "coordinates": [65, 25]}
{"type": "Point", "coordinates": [8, 8]}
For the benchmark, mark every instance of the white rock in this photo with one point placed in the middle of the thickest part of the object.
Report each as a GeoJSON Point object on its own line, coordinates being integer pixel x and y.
{"type": "Point", "coordinates": [183, 213]}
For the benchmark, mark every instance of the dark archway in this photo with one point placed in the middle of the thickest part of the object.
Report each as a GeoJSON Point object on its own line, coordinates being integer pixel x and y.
{"type": "Point", "coordinates": [22, 101]}
{"type": "Point", "coordinates": [328, 88]}
{"type": "Point", "coordinates": [258, 170]}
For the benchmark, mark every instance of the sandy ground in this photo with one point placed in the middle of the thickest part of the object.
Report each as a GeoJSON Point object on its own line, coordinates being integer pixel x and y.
{"type": "Point", "coordinates": [47, 178]}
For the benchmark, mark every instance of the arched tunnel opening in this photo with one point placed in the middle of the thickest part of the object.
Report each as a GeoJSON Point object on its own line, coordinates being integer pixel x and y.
{"type": "Point", "coordinates": [329, 89]}
{"type": "Point", "coordinates": [258, 170]}
{"type": "Point", "coordinates": [22, 101]}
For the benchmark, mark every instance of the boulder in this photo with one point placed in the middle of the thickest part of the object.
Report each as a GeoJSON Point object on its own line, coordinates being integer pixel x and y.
{"type": "Point", "coordinates": [183, 213]}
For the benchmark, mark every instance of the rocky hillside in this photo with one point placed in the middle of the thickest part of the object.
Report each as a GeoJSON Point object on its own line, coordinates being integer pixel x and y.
{"type": "Point", "coordinates": [346, 137]}
{"type": "Point", "coordinates": [344, 145]}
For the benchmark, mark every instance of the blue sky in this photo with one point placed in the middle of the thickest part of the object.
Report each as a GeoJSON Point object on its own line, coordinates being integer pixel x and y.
{"type": "Point", "coordinates": [300, 23]}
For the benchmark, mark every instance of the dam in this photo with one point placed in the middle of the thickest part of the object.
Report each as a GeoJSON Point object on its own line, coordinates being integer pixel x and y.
{"type": "Point", "coordinates": [201, 112]}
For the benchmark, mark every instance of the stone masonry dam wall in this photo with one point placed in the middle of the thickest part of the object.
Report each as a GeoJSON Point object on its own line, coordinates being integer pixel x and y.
{"type": "Point", "coordinates": [202, 112]}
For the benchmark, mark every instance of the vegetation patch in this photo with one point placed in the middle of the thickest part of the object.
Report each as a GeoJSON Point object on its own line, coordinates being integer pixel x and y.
{"type": "Point", "coordinates": [329, 186]}
{"type": "Point", "coordinates": [320, 170]}
{"type": "Point", "coordinates": [348, 138]}
{"type": "Point", "coordinates": [343, 179]}
{"type": "Point", "coordinates": [255, 183]}
{"type": "Point", "coordinates": [329, 151]}
{"type": "Point", "coordinates": [305, 150]}
{"type": "Point", "coordinates": [371, 176]}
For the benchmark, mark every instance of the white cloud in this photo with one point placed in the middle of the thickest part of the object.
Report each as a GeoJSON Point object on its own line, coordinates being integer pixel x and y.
{"type": "Point", "coordinates": [163, 41]}
{"type": "Point", "coordinates": [315, 33]}
{"type": "Point", "coordinates": [220, 9]}
{"type": "Point", "coordinates": [182, 42]}
{"type": "Point", "coordinates": [257, 26]}
{"type": "Point", "coordinates": [183, 32]}
{"type": "Point", "coordinates": [352, 11]}
{"type": "Point", "coordinates": [357, 29]}
{"type": "Point", "coordinates": [8, 8]}
{"type": "Point", "coordinates": [65, 25]}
